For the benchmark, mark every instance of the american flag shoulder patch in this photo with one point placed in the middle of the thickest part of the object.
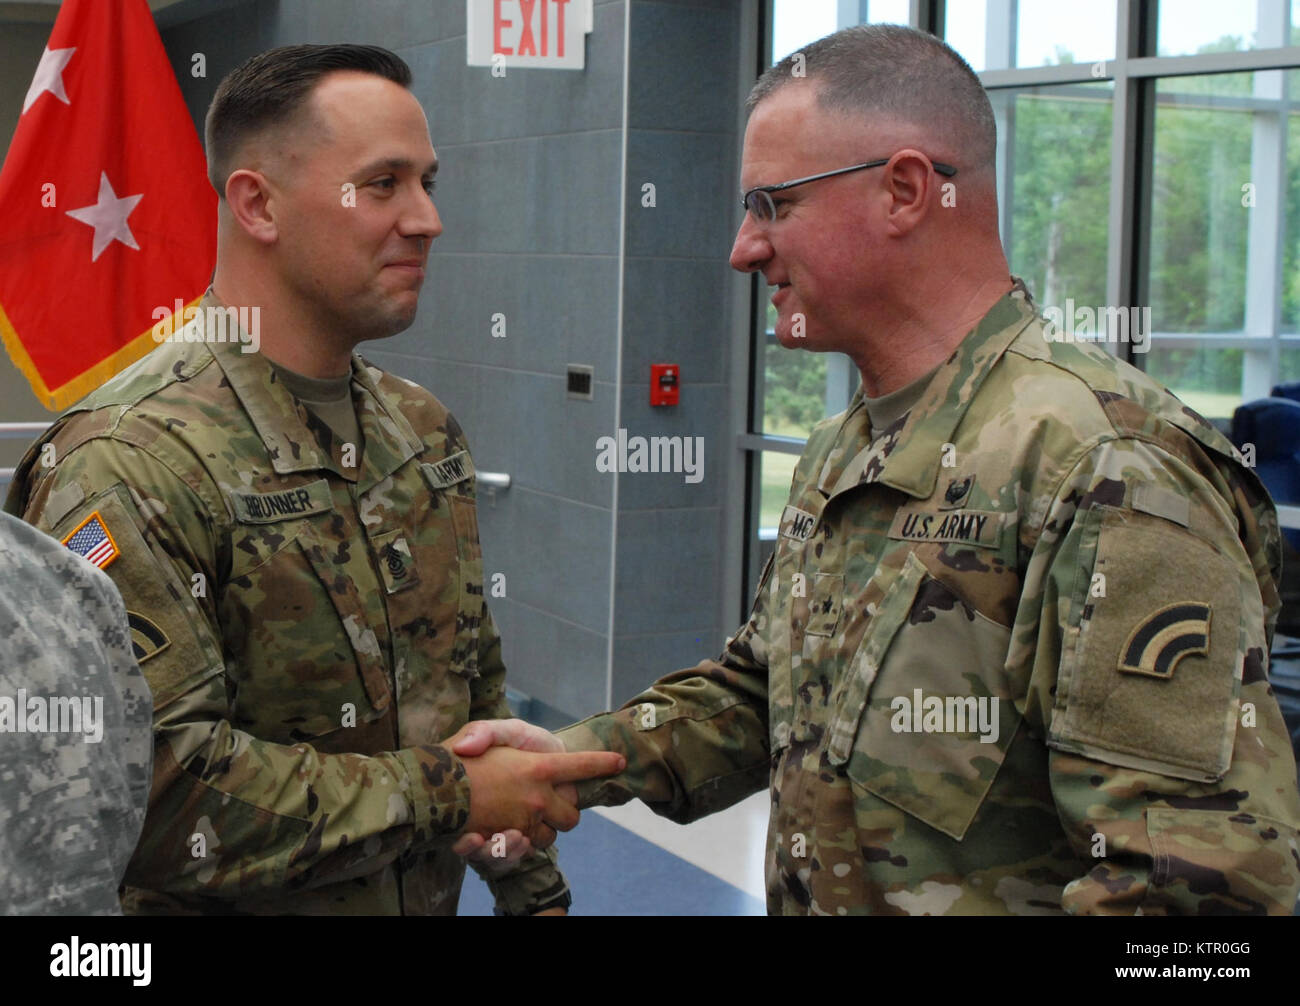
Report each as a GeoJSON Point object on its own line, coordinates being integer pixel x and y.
{"type": "Point", "coordinates": [91, 540]}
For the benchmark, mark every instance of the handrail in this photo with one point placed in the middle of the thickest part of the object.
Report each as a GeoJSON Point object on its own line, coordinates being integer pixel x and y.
{"type": "Point", "coordinates": [18, 431]}
{"type": "Point", "coordinates": [15, 431]}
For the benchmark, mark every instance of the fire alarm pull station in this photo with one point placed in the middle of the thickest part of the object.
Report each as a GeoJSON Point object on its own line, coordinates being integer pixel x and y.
{"type": "Point", "coordinates": [664, 381]}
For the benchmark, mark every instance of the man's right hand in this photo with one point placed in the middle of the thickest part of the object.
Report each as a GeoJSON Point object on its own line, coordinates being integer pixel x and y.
{"type": "Point", "coordinates": [517, 789]}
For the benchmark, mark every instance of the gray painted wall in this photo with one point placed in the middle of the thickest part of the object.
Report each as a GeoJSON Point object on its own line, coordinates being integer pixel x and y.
{"type": "Point", "coordinates": [682, 101]}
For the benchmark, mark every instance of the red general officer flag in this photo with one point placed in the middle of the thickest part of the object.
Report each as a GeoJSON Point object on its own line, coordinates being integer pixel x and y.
{"type": "Point", "coordinates": [106, 213]}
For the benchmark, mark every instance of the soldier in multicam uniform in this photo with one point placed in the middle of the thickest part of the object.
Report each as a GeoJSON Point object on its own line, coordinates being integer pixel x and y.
{"type": "Point", "coordinates": [1011, 653]}
{"type": "Point", "coordinates": [71, 803]}
{"type": "Point", "coordinates": [305, 579]}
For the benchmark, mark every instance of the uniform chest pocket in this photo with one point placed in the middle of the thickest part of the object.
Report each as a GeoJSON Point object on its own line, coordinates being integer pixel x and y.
{"type": "Point", "coordinates": [302, 658]}
{"type": "Point", "coordinates": [926, 714]}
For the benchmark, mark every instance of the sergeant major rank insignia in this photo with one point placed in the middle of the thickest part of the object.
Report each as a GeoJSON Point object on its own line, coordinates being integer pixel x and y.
{"type": "Point", "coordinates": [397, 565]}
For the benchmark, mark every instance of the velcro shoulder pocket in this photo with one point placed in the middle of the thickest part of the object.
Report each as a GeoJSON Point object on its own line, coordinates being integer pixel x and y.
{"type": "Point", "coordinates": [169, 636]}
{"type": "Point", "coordinates": [1153, 678]}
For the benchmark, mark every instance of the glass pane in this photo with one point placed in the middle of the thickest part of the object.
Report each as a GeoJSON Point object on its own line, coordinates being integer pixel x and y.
{"type": "Point", "coordinates": [800, 388]}
{"type": "Point", "coordinates": [794, 390]}
{"type": "Point", "coordinates": [887, 12]}
{"type": "Point", "coordinates": [1199, 226]}
{"type": "Point", "coordinates": [1215, 237]}
{"type": "Point", "coordinates": [1206, 378]}
{"type": "Point", "coordinates": [1187, 27]}
{"type": "Point", "coordinates": [795, 23]}
{"type": "Point", "coordinates": [1288, 363]}
{"type": "Point", "coordinates": [774, 470]}
{"type": "Point", "coordinates": [1057, 184]}
{"type": "Point", "coordinates": [964, 30]}
{"type": "Point", "coordinates": [1045, 33]}
{"type": "Point", "coordinates": [1291, 244]}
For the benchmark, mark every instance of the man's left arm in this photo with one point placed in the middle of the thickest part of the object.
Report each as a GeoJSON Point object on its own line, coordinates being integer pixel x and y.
{"type": "Point", "coordinates": [1168, 758]}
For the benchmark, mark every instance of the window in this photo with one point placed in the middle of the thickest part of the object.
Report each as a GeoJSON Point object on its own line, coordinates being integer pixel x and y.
{"type": "Point", "coordinates": [1053, 169]}
{"type": "Point", "coordinates": [1194, 27]}
{"type": "Point", "coordinates": [1001, 34]}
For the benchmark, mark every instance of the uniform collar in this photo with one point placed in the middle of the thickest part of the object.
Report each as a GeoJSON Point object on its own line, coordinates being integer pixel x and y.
{"type": "Point", "coordinates": [914, 461]}
{"type": "Point", "coordinates": [390, 440]}
{"type": "Point", "coordinates": [282, 421]}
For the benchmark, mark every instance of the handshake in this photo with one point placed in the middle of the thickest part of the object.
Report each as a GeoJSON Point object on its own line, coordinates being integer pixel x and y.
{"type": "Point", "coordinates": [522, 788]}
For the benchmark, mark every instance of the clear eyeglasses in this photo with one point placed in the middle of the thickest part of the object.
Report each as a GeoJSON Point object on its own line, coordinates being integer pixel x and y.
{"type": "Point", "coordinates": [758, 200]}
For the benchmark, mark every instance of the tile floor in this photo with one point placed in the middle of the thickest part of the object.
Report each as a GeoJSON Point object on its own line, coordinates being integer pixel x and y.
{"type": "Point", "coordinates": [629, 861]}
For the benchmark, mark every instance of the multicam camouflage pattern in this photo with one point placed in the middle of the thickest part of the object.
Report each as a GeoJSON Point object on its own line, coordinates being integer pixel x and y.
{"type": "Point", "coordinates": [71, 805]}
{"type": "Point", "coordinates": [1042, 514]}
{"type": "Point", "coordinates": [314, 632]}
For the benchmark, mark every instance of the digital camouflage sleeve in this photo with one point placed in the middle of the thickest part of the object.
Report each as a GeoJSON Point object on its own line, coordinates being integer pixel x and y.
{"type": "Point", "coordinates": [1010, 657]}
{"type": "Point", "coordinates": [75, 738]}
{"type": "Point", "coordinates": [311, 630]}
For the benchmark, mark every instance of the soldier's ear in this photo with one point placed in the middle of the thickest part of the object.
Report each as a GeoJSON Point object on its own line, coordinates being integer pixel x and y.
{"type": "Point", "coordinates": [908, 179]}
{"type": "Point", "coordinates": [249, 202]}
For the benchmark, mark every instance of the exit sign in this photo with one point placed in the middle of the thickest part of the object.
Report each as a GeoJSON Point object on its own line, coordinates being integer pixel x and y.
{"type": "Point", "coordinates": [545, 33]}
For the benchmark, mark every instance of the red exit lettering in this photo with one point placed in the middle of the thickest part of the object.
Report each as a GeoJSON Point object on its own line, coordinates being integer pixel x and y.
{"type": "Point", "coordinates": [530, 28]}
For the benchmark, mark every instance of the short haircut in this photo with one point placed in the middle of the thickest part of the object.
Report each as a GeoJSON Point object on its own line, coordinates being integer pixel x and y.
{"type": "Point", "coordinates": [896, 72]}
{"type": "Point", "coordinates": [272, 88]}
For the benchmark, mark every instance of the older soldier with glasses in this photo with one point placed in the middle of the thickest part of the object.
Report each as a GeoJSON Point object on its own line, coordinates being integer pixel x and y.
{"type": "Point", "coordinates": [1011, 653]}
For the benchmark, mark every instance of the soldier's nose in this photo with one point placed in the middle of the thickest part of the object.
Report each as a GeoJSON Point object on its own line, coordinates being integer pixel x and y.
{"type": "Point", "coordinates": [751, 248]}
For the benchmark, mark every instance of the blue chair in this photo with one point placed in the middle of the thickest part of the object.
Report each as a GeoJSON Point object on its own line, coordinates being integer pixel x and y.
{"type": "Point", "coordinates": [1272, 426]}
{"type": "Point", "coordinates": [1291, 391]}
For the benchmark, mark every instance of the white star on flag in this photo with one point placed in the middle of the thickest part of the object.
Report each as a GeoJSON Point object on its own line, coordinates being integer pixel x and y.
{"type": "Point", "coordinates": [108, 217]}
{"type": "Point", "coordinates": [49, 76]}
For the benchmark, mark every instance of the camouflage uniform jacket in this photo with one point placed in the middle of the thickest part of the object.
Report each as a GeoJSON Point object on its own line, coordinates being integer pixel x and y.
{"type": "Point", "coordinates": [1010, 657]}
{"type": "Point", "coordinates": [311, 619]}
{"type": "Point", "coordinates": [73, 791]}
